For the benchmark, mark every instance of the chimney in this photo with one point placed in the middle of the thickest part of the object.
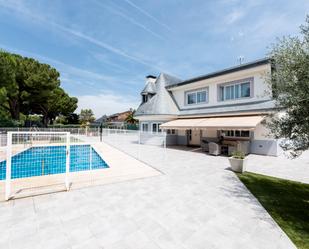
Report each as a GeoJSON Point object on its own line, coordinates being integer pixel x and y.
{"type": "Point", "coordinates": [150, 78]}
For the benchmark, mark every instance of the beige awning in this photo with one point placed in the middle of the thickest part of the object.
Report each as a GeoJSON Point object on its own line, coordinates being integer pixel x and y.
{"type": "Point", "coordinates": [182, 123]}
{"type": "Point", "coordinates": [239, 122]}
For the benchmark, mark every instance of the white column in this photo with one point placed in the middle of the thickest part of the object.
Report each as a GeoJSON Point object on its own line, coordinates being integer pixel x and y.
{"type": "Point", "coordinates": [8, 166]}
{"type": "Point", "coordinates": [67, 162]}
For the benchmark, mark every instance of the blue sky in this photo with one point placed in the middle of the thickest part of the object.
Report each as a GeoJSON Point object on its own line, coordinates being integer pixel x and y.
{"type": "Point", "coordinates": [104, 48]}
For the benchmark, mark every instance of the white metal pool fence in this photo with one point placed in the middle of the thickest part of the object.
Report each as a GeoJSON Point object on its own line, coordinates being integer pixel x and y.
{"type": "Point", "coordinates": [34, 155]}
{"type": "Point", "coordinates": [149, 138]}
{"type": "Point", "coordinates": [34, 160]}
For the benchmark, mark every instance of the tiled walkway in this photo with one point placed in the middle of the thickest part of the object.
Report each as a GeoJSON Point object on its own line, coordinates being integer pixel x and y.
{"type": "Point", "coordinates": [281, 166]}
{"type": "Point", "coordinates": [196, 204]}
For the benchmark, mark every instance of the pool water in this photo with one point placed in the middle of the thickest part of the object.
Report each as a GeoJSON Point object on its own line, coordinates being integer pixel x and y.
{"type": "Point", "coordinates": [47, 160]}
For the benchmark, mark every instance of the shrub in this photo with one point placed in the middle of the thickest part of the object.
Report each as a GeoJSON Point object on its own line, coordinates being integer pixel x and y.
{"type": "Point", "coordinates": [238, 155]}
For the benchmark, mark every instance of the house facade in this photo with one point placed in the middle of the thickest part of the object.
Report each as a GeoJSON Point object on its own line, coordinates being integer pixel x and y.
{"type": "Point", "coordinates": [115, 120]}
{"type": "Point", "coordinates": [232, 103]}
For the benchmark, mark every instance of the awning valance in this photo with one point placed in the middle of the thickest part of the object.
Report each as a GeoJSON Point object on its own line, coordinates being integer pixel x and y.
{"type": "Point", "coordinates": [182, 123]}
{"type": "Point", "coordinates": [239, 122]}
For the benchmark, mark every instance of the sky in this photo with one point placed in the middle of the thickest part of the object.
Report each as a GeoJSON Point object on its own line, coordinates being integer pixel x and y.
{"type": "Point", "coordinates": [103, 49]}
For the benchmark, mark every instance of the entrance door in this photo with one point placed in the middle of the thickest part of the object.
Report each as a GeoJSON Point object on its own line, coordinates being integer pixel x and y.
{"type": "Point", "coordinates": [194, 137]}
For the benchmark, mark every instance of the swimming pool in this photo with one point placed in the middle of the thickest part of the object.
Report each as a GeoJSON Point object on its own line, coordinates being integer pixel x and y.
{"type": "Point", "coordinates": [47, 160]}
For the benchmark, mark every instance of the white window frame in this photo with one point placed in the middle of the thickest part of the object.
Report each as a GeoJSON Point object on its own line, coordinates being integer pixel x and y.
{"type": "Point", "coordinates": [222, 87]}
{"type": "Point", "coordinates": [171, 132]}
{"type": "Point", "coordinates": [234, 133]}
{"type": "Point", "coordinates": [142, 126]}
{"type": "Point", "coordinates": [158, 130]}
{"type": "Point", "coordinates": [196, 92]}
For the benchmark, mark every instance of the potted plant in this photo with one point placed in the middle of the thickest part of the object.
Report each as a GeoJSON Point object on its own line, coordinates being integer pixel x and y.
{"type": "Point", "coordinates": [238, 161]}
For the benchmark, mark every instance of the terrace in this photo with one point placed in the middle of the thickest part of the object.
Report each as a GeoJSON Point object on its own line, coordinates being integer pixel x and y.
{"type": "Point", "coordinates": [193, 201]}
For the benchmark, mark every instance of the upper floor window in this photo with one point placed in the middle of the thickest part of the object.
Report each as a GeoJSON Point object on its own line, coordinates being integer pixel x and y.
{"type": "Point", "coordinates": [197, 97]}
{"type": "Point", "coordinates": [235, 91]}
{"type": "Point", "coordinates": [144, 98]}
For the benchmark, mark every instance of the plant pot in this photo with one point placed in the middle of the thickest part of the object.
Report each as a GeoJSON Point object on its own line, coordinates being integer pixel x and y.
{"type": "Point", "coordinates": [238, 165]}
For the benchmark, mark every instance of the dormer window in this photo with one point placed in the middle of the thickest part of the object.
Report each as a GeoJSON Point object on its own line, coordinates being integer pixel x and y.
{"type": "Point", "coordinates": [197, 96]}
{"type": "Point", "coordinates": [236, 90]}
{"type": "Point", "coordinates": [144, 98]}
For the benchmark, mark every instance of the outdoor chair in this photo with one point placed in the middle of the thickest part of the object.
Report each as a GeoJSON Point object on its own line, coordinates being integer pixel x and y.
{"type": "Point", "coordinates": [204, 145]}
{"type": "Point", "coordinates": [214, 149]}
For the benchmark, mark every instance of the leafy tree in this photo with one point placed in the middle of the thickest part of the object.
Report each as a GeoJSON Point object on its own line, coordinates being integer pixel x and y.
{"type": "Point", "coordinates": [5, 120]}
{"type": "Point", "coordinates": [9, 89]}
{"type": "Point", "coordinates": [290, 85]}
{"type": "Point", "coordinates": [57, 103]}
{"type": "Point", "coordinates": [73, 118]}
{"type": "Point", "coordinates": [61, 120]}
{"type": "Point", "coordinates": [130, 118]}
{"type": "Point", "coordinates": [86, 116]}
{"type": "Point", "coordinates": [30, 87]}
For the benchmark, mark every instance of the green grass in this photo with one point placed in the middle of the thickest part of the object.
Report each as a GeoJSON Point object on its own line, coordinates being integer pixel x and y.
{"type": "Point", "coordinates": [286, 201]}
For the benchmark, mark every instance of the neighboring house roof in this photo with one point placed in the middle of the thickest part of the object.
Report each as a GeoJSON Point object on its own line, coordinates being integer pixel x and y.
{"type": "Point", "coordinates": [116, 117]}
{"type": "Point", "coordinates": [101, 119]}
{"type": "Point", "coordinates": [119, 117]}
{"type": "Point", "coordinates": [161, 103]}
{"type": "Point", "coordinates": [222, 72]}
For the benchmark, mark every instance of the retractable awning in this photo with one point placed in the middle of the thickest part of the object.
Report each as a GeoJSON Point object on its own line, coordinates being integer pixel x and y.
{"type": "Point", "coordinates": [182, 123]}
{"type": "Point", "coordinates": [240, 122]}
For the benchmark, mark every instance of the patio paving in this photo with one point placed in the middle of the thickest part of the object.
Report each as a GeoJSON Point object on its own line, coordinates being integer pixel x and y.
{"type": "Point", "coordinates": [196, 203]}
{"type": "Point", "coordinates": [283, 167]}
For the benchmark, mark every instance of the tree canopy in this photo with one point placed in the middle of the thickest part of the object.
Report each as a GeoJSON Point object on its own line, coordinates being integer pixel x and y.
{"type": "Point", "coordinates": [130, 118]}
{"type": "Point", "coordinates": [290, 84]}
{"type": "Point", "coordinates": [30, 87]}
{"type": "Point", "coordinates": [86, 116]}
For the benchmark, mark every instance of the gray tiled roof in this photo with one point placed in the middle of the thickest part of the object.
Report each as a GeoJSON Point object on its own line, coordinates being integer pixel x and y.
{"type": "Point", "coordinates": [264, 105]}
{"type": "Point", "coordinates": [149, 88]}
{"type": "Point", "coordinates": [161, 103]}
{"type": "Point", "coordinates": [223, 72]}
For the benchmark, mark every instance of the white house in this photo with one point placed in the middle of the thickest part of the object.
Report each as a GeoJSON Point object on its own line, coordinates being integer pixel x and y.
{"type": "Point", "coordinates": [230, 103]}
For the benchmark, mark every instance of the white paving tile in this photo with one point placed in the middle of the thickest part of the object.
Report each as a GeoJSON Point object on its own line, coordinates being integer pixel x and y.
{"type": "Point", "coordinates": [196, 203]}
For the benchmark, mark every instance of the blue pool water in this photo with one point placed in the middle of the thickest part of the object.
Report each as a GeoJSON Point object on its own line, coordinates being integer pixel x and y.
{"type": "Point", "coordinates": [48, 160]}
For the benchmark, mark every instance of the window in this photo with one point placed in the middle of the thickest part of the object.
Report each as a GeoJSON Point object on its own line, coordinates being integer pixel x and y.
{"type": "Point", "coordinates": [235, 133]}
{"type": "Point", "coordinates": [144, 98]}
{"type": "Point", "coordinates": [144, 127]}
{"type": "Point", "coordinates": [244, 133]}
{"type": "Point", "coordinates": [201, 97]}
{"type": "Point", "coordinates": [156, 127]}
{"type": "Point", "coordinates": [245, 90]}
{"type": "Point", "coordinates": [191, 98]}
{"type": "Point", "coordinates": [196, 97]}
{"type": "Point", "coordinates": [171, 131]}
{"type": "Point", "coordinates": [235, 91]}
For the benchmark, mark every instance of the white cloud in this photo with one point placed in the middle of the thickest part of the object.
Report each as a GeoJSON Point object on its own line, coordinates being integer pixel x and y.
{"type": "Point", "coordinates": [131, 20]}
{"type": "Point", "coordinates": [146, 13]}
{"type": "Point", "coordinates": [27, 13]}
{"type": "Point", "coordinates": [234, 16]}
{"type": "Point", "coordinates": [107, 103]}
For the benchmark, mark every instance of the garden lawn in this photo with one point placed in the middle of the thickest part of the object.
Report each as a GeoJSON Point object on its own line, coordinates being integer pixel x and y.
{"type": "Point", "coordinates": [286, 201]}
